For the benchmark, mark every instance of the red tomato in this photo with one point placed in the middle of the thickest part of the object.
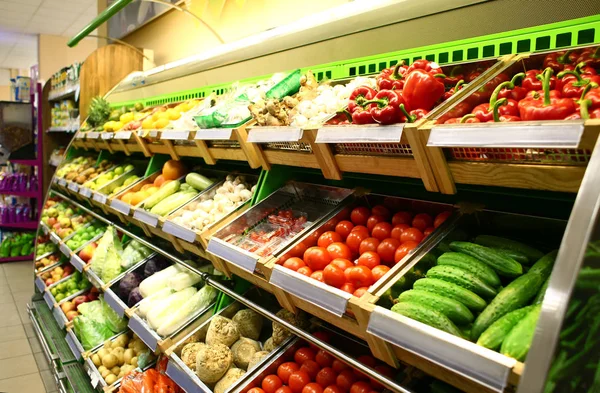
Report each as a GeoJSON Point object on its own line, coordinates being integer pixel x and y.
{"type": "Point", "coordinates": [345, 379]}
{"type": "Point", "coordinates": [440, 218]}
{"type": "Point", "coordinates": [360, 387]}
{"type": "Point", "coordinates": [311, 367]}
{"type": "Point", "coordinates": [402, 218]}
{"type": "Point", "coordinates": [326, 376]}
{"type": "Point", "coordinates": [303, 354]}
{"type": "Point", "coordinates": [333, 389]}
{"type": "Point", "coordinates": [369, 244]}
{"type": "Point", "coordinates": [327, 238]}
{"type": "Point", "coordinates": [294, 263]}
{"type": "Point", "coordinates": [403, 250]}
{"type": "Point", "coordinates": [428, 231]}
{"type": "Point", "coordinates": [338, 366]}
{"type": "Point", "coordinates": [422, 221]}
{"type": "Point", "coordinates": [305, 270]}
{"type": "Point", "coordinates": [312, 388]}
{"type": "Point", "coordinates": [382, 230]}
{"type": "Point", "coordinates": [271, 383]}
{"type": "Point", "coordinates": [330, 225]}
{"type": "Point", "coordinates": [321, 335]}
{"type": "Point", "coordinates": [379, 271]}
{"type": "Point", "coordinates": [398, 229]}
{"type": "Point", "coordinates": [312, 239]}
{"type": "Point", "coordinates": [298, 250]}
{"type": "Point", "coordinates": [361, 291]}
{"type": "Point", "coordinates": [344, 228]}
{"type": "Point", "coordinates": [318, 275]}
{"type": "Point", "coordinates": [369, 259]}
{"type": "Point", "coordinates": [360, 215]}
{"type": "Point", "coordinates": [286, 369]}
{"type": "Point", "coordinates": [344, 214]}
{"type": "Point", "coordinates": [361, 228]}
{"type": "Point", "coordinates": [283, 389]}
{"type": "Point", "coordinates": [386, 250]}
{"type": "Point", "coordinates": [339, 250]}
{"type": "Point", "coordinates": [411, 234]}
{"type": "Point", "coordinates": [382, 211]}
{"type": "Point", "coordinates": [317, 258]}
{"type": "Point", "coordinates": [342, 263]}
{"type": "Point", "coordinates": [360, 276]}
{"type": "Point", "coordinates": [256, 390]}
{"type": "Point", "coordinates": [348, 287]}
{"type": "Point", "coordinates": [298, 380]}
{"type": "Point", "coordinates": [374, 220]}
{"type": "Point", "coordinates": [324, 359]}
{"type": "Point", "coordinates": [333, 275]}
{"type": "Point", "coordinates": [354, 239]}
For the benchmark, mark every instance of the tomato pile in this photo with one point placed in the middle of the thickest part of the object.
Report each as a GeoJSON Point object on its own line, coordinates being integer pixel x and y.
{"type": "Point", "coordinates": [315, 371]}
{"type": "Point", "coordinates": [356, 248]}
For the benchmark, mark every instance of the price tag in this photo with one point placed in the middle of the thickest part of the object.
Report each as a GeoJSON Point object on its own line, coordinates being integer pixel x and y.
{"type": "Point", "coordinates": [77, 262]}
{"type": "Point", "coordinates": [49, 299]}
{"type": "Point", "coordinates": [230, 253]}
{"type": "Point", "coordinates": [120, 206]}
{"type": "Point", "coordinates": [72, 342]}
{"type": "Point", "coordinates": [114, 302]}
{"type": "Point", "coordinates": [62, 182]}
{"type": "Point", "coordinates": [93, 135]}
{"type": "Point", "coordinates": [59, 316]}
{"type": "Point", "coordinates": [106, 135]}
{"type": "Point", "coordinates": [100, 198]}
{"type": "Point", "coordinates": [143, 332]}
{"type": "Point", "coordinates": [39, 283]}
{"type": "Point", "coordinates": [94, 380]}
{"type": "Point", "coordinates": [79, 135]}
{"type": "Point", "coordinates": [73, 187]}
{"type": "Point", "coordinates": [179, 231]}
{"type": "Point", "coordinates": [275, 134]}
{"type": "Point", "coordinates": [153, 133]}
{"type": "Point", "coordinates": [93, 278]}
{"type": "Point", "coordinates": [360, 134]}
{"type": "Point", "coordinates": [214, 134]}
{"type": "Point", "coordinates": [146, 217]}
{"type": "Point", "coordinates": [64, 249]}
{"type": "Point", "coordinates": [175, 135]}
{"type": "Point", "coordinates": [44, 228]}
{"type": "Point", "coordinates": [122, 135]}
{"type": "Point", "coordinates": [86, 192]}
{"type": "Point", "coordinates": [182, 379]}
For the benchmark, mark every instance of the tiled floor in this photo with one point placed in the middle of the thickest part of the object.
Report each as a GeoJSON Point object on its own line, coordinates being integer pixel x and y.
{"type": "Point", "coordinates": [23, 367]}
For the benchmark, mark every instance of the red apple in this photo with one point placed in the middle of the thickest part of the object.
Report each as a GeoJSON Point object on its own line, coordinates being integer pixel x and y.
{"type": "Point", "coordinates": [67, 269]}
{"type": "Point", "coordinates": [67, 306]}
{"type": "Point", "coordinates": [79, 299]}
{"type": "Point", "coordinates": [71, 315]}
{"type": "Point", "coordinates": [49, 282]}
{"type": "Point", "coordinates": [92, 296]}
{"type": "Point", "coordinates": [51, 221]}
{"type": "Point", "coordinates": [87, 252]}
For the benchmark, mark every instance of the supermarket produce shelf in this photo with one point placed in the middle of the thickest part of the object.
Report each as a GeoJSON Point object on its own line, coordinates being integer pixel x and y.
{"type": "Point", "coordinates": [55, 336]}
{"type": "Point", "coordinates": [26, 194]}
{"type": "Point", "coordinates": [23, 225]}
{"type": "Point", "coordinates": [17, 259]}
{"type": "Point", "coordinates": [64, 93]}
{"type": "Point", "coordinates": [78, 379]}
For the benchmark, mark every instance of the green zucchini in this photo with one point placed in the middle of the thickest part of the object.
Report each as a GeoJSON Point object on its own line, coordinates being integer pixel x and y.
{"type": "Point", "coordinates": [454, 310]}
{"type": "Point", "coordinates": [172, 202]}
{"type": "Point", "coordinates": [503, 265]}
{"type": "Point", "coordinates": [470, 264]}
{"type": "Point", "coordinates": [198, 181]}
{"type": "Point", "coordinates": [518, 341]}
{"type": "Point", "coordinates": [462, 278]}
{"type": "Point", "coordinates": [443, 288]}
{"type": "Point", "coordinates": [540, 296]}
{"type": "Point", "coordinates": [515, 295]}
{"type": "Point", "coordinates": [166, 190]}
{"type": "Point", "coordinates": [544, 265]}
{"type": "Point", "coordinates": [427, 316]}
{"type": "Point", "coordinates": [494, 335]}
{"type": "Point", "coordinates": [507, 244]}
{"type": "Point", "coordinates": [516, 255]}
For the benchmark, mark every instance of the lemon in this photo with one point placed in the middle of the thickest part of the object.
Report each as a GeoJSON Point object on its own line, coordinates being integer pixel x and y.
{"type": "Point", "coordinates": [147, 123]}
{"type": "Point", "coordinates": [161, 123]}
{"type": "Point", "coordinates": [126, 117]}
{"type": "Point", "coordinates": [173, 114]}
{"type": "Point", "coordinates": [138, 116]}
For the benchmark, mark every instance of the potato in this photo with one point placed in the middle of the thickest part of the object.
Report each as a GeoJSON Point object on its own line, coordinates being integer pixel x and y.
{"type": "Point", "coordinates": [115, 344]}
{"type": "Point", "coordinates": [110, 379]}
{"type": "Point", "coordinates": [127, 356]}
{"type": "Point", "coordinates": [107, 344]}
{"type": "Point", "coordinates": [109, 361]}
{"type": "Point", "coordinates": [115, 370]}
{"type": "Point", "coordinates": [118, 352]}
{"type": "Point", "coordinates": [123, 340]}
{"type": "Point", "coordinates": [102, 353]}
{"type": "Point", "coordinates": [105, 373]}
{"type": "Point", "coordinates": [96, 360]}
{"type": "Point", "coordinates": [134, 361]}
{"type": "Point", "coordinates": [102, 368]}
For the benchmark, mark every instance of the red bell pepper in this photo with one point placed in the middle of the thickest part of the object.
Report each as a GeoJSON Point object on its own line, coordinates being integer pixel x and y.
{"type": "Point", "coordinates": [591, 56]}
{"type": "Point", "coordinates": [537, 94]}
{"type": "Point", "coordinates": [459, 85]}
{"type": "Point", "coordinates": [496, 118]}
{"type": "Point", "coordinates": [414, 115]}
{"type": "Point", "coordinates": [485, 112]}
{"type": "Point", "coordinates": [531, 82]}
{"type": "Point", "coordinates": [468, 118]}
{"type": "Point", "coordinates": [425, 65]}
{"type": "Point", "coordinates": [422, 90]}
{"type": "Point", "coordinates": [358, 96]}
{"type": "Point", "coordinates": [510, 89]}
{"type": "Point", "coordinates": [385, 107]}
{"type": "Point", "coordinates": [456, 75]}
{"type": "Point", "coordinates": [485, 92]}
{"type": "Point", "coordinates": [575, 86]}
{"type": "Point", "coordinates": [558, 60]}
{"type": "Point", "coordinates": [581, 69]}
{"type": "Point", "coordinates": [592, 94]}
{"type": "Point", "coordinates": [547, 108]}
{"type": "Point", "coordinates": [392, 78]}
{"type": "Point", "coordinates": [362, 116]}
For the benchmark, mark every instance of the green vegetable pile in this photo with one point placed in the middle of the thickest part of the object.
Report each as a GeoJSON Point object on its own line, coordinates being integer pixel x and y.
{"type": "Point", "coordinates": [18, 245]}
{"type": "Point", "coordinates": [96, 323]}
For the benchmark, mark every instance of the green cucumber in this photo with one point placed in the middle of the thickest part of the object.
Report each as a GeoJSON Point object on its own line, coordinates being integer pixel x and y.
{"type": "Point", "coordinates": [473, 301]}
{"type": "Point", "coordinates": [515, 295]}
{"type": "Point", "coordinates": [544, 265]}
{"type": "Point", "coordinates": [454, 310]}
{"type": "Point", "coordinates": [516, 255]}
{"type": "Point", "coordinates": [427, 316]}
{"type": "Point", "coordinates": [540, 296]}
{"type": "Point", "coordinates": [470, 264]}
{"type": "Point", "coordinates": [198, 181]}
{"type": "Point", "coordinates": [166, 190]}
{"type": "Point", "coordinates": [506, 244]}
{"type": "Point", "coordinates": [462, 278]}
{"type": "Point", "coordinates": [503, 265]}
{"type": "Point", "coordinates": [517, 342]}
{"type": "Point", "coordinates": [494, 335]}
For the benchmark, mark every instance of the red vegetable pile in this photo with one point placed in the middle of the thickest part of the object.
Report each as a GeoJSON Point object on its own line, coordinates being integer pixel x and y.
{"type": "Point", "coordinates": [356, 248]}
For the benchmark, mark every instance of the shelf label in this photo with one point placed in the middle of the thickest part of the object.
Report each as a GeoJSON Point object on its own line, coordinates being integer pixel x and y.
{"type": "Point", "coordinates": [79, 135]}
{"type": "Point", "coordinates": [175, 135]}
{"type": "Point", "coordinates": [73, 344]}
{"type": "Point", "coordinates": [274, 134]}
{"type": "Point", "coordinates": [77, 262]}
{"type": "Point", "coordinates": [114, 302]}
{"type": "Point", "coordinates": [214, 134]}
{"type": "Point", "coordinates": [62, 182]}
{"type": "Point", "coordinates": [143, 332]}
{"type": "Point", "coordinates": [106, 135]}
{"type": "Point", "coordinates": [44, 228]}
{"type": "Point", "coordinates": [563, 134]}
{"type": "Point", "coordinates": [93, 278]}
{"type": "Point", "coordinates": [328, 298]}
{"type": "Point", "coordinates": [73, 187]}
{"type": "Point", "coordinates": [59, 316]}
{"type": "Point", "coordinates": [93, 135]}
{"type": "Point", "coordinates": [65, 249]}
{"type": "Point", "coordinates": [120, 206]}
{"type": "Point", "coordinates": [146, 217]}
{"type": "Point", "coordinates": [122, 135]}
{"type": "Point", "coordinates": [184, 379]}
{"type": "Point", "coordinates": [241, 258]}
{"type": "Point", "coordinates": [54, 238]}
{"type": "Point", "coordinates": [49, 299]}
{"type": "Point", "coordinates": [360, 134]}
{"type": "Point", "coordinates": [39, 283]}
{"type": "Point", "coordinates": [453, 353]}
{"type": "Point", "coordinates": [86, 192]}
{"type": "Point", "coordinates": [179, 231]}
{"type": "Point", "coordinates": [100, 198]}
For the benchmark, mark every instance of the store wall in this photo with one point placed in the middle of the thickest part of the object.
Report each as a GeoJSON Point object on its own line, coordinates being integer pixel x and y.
{"type": "Point", "coordinates": [54, 54]}
{"type": "Point", "coordinates": [5, 75]}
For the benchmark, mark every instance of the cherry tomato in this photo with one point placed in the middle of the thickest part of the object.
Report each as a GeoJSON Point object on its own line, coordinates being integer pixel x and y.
{"type": "Point", "coordinates": [339, 250]}
{"type": "Point", "coordinates": [369, 259]}
{"type": "Point", "coordinates": [298, 380]}
{"type": "Point", "coordinates": [361, 228]}
{"type": "Point", "coordinates": [256, 390]}
{"type": "Point", "coordinates": [298, 250]}
{"type": "Point", "coordinates": [305, 270]}
{"type": "Point", "coordinates": [283, 389]}
{"type": "Point", "coordinates": [403, 250]}
{"type": "Point", "coordinates": [382, 211]}
{"type": "Point", "coordinates": [271, 383]}
{"type": "Point", "coordinates": [321, 335]}
{"type": "Point", "coordinates": [440, 218]}
{"type": "Point", "coordinates": [294, 263]}
{"type": "Point", "coordinates": [342, 263]}
{"type": "Point", "coordinates": [326, 376]}
{"type": "Point", "coordinates": [327, 238]}
{"type": "Point", "coordinates": [360, 215]}
{"type": "Point", "coordinates": [312, 239]}
{"type": "Point", "coordinates": [330, 225]}
{"type": "Point", "coordinates": [382, 230]}
{"type": "Point", "coordinates": [402, 218]}
{"type": "Point", "coordinates": [422, 221]}
{"type": "Point", "coordinates": [344, 228]}
{"type": "Point", "coordinates": [361, 291]}
{"type": "Point", "coordinates": [312, 388]}
{"type": "Point", "coordinates": [386, 250]}
{"type": "Point", "coordinates": [324, 359]}
{"type": "Point", "coordinates": [317, 258]}
{"type": "Point", "coordinates": [303, 354]}
{"type": "Point", "coordinates": [348, 287]}
{"type": "Point", "coordinates": [411, 234]}
{"type": "Point", "coordinates": [317, 275]}
{"type": "Point", "coordinates": [428, 231]}
{"type": "Point", "coordinates": [345, 379]}
{"type": "Point", "coordinates": [286, 369]}
{"type": "Point", "coordinates": [333, 389]}
{"type": "Point", "coordinates": [379, 271]}
{"type": "Point", "coordinates": [398, 229]}
{"type": "Point", "coordinates": [360, 387]}
{"type": "Point", "coordinates": [338, 366]}
{"type": "Point", "coordinates": [311, 367]}
{"type": "Point", "coordinates": [369, 244]}
{"type": "Point", "coordinates": [360, 276]}
{"type": "Point", "coordinates": [374, 220]}
{"type": "Point", "coordinates": [354, 239]}
{"type": "Point", "coordinates": [333, 275]}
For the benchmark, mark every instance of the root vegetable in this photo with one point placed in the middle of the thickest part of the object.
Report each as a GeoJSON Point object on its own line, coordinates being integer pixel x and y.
{"type": "Point", "coordinates": [280, 334]}
{"type": "Point", "coordinates": [96, 360]}
{"type": "Point", "coordinates": [134, 361]}
{"type": "Point", "coordinates": [212, 361]}
{"type": "Point", "coordinates": [102, 353]}
{"type": "Point", "coordinates": [232, 375]}
{"type": "Point", "coordinates": [256, 358]}
{"type": "Point", "coordinates": [222, 330]}
{"type": "Point", "coordinates": [243, 350]}
{"type": "Point", "coordinates": [109, 361]}
{"type": "Point", "coordinates": [188, 354]}
{"type": "Point", "coordinates": [105, 373]}
{"type": "Point", "coordinates": [269, 345]}
{"type": "Point", "coordinates": [115, 370]}
{"type": "Point", "coordinates": [110, 379]}
{"type": "Point", "coordinates": [128, 355]}
{"type": "Point", "coordinates": [249, 323]}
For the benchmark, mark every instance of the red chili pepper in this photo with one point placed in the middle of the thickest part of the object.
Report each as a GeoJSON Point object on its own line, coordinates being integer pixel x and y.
{"type": "Point", "coordinates": [531, 82]}
{"type": "Point", "coordinates": [510, 89]}
{"type": "Point", "coordinates": [496, 118]}
{"type": "Point", "coordinates": [558, 60]}
{"type": "Point", "coordinates": [575, 86]}
{"type": "Point", "coordinates": [456, 75]}
{"type": "Point", "coordinates": [425, 65]}
{"type": "Point", "coordinates": [362, 116]}
{"type": "Point", "coordinates": [591, 56]}
{"type": "Point", "coordinates": [385, 107]}
{"type": "Point", "coordinates": [422, 90]}
{"type": "Point", "coordinates": [547, 108]}
{"type": "Point", "coordinates": [358, 96]}
{"type": "Point", "coordinates": [414, 115]}
{"type": "Point", "coordinates": [459, 85]}
{"type": "Point", "coordinates": [468, 118]}
{"type": "Point", "coordinates": [392, 78]}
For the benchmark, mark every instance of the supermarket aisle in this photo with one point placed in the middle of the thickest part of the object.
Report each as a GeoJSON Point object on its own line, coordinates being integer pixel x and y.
{"type": "Point", "coordinates": [23, 367]}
